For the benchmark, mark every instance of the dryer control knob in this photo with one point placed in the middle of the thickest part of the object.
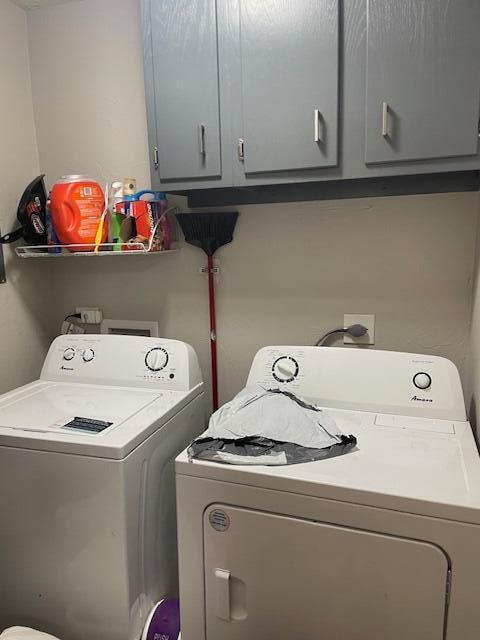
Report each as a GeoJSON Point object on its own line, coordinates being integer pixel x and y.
{"type": "Point", "coordinates": [69, 353]}
{"type": "Point", "coordinates": [285, 369]}
{"type": "Point", "coordinates": [88, 355]}
{"type": "Point", "coordinates": [156, 359]}
{"type": "Point", "coordinates": [422, 380]}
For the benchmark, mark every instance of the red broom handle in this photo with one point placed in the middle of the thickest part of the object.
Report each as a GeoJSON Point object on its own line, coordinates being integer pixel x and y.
{"type": "Point", "coordinates": [213, 333]}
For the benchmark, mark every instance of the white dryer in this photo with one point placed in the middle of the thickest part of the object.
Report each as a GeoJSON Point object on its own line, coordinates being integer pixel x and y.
{"type": "Point", "coordinates": [381, 543]}
{"type": "Point", "coordinates": [87, 533]}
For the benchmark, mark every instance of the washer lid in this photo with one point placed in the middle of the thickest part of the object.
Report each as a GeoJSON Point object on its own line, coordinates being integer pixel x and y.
{"type": "Point", "coordinates": [54, 407]}
{"type": "Point", "coordinates": [85, 419]}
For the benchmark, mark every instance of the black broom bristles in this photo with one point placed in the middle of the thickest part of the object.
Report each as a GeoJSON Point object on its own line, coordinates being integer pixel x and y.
{"type": "Point", "coordinates": [208, 230]}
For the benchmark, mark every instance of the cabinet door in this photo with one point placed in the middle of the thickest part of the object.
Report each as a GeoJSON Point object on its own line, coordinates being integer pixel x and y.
{"type": "Point", "coordinates": [422, 79]}
{"type": "Point", "coordinates": [269, 576]}
{"type": "Point", "coordinates": [289, 78]}
{"type": "Point", "coordinates": [185, 86]}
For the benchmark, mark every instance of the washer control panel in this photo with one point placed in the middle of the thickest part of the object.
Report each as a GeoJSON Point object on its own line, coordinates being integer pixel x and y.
{"type": "Point", "coordinates": [123, 360]}
{"type": "Point", "coordinates": [359, 379]}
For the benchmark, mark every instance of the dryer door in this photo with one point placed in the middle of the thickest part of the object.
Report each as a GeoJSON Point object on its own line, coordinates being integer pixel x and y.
{"type": "Point", "coordinates": [270, 576]}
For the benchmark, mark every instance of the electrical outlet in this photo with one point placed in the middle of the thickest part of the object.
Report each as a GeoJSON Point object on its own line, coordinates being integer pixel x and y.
{"type": "Point", "coordinates": [90, 315]}
{"type": "Point", "coordinates": [368, 320]}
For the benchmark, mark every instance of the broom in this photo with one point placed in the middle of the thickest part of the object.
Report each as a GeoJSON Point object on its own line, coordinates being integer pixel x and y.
{"type": "Point", "coordinates": [209, 232]}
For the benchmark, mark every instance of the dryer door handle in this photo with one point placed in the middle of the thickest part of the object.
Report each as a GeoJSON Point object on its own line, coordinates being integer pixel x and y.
{"type": "Point", "coordinates": [222, 581]}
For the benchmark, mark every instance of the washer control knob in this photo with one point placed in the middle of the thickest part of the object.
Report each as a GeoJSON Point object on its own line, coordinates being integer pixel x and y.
{"type": "Point", "coordinates": [422, 380]}
{"type": "Point", "coordinates": [285, 369]}
{"type": "Point", "coordinates": [88, 355]}
{"type": "Point", "coordinates": [156, 359]}
{"type": "Point", "coordinates": [69, 353]}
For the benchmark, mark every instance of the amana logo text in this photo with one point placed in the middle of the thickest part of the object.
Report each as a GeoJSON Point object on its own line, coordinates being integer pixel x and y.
{"type": "Point", "coordinates": [417, 399]}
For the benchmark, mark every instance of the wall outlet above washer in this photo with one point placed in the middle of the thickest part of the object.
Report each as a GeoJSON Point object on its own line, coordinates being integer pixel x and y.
{"type": "Point", "coordinates": [90, 315]}
{"type": "Point", "coordinates": [368, 320]}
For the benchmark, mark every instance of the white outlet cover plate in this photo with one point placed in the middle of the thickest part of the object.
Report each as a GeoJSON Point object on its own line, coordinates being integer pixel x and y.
{"type": "Point", "coordinates": [368, 320]}
{"type": "Point", "coordinates": [90, 315]}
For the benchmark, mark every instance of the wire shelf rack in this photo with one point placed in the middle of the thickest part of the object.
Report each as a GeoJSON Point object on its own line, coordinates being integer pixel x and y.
{"type": "Point", "coordinates": [88, 250]}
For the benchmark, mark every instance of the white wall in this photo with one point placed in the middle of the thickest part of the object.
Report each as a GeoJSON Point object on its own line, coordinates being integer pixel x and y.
{"type": "Point", "coordinates": [292, 271]}
{"type": "Point", "coordinates": [88, 89]}
{"type": "Point", "coordinates": [24, 317]}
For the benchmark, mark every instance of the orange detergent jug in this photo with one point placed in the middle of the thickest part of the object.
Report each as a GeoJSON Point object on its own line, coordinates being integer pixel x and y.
{"type": "Point", "coordinates": [77, 205]}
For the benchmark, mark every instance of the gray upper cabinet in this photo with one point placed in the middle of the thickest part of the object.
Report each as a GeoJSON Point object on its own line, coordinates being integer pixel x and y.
{"type": "Point", "coordinates": [289, 84]}
{"type": "Point", "coordinates": [182, 89]}
{"type": "Point", "coordinates": [423, 79]}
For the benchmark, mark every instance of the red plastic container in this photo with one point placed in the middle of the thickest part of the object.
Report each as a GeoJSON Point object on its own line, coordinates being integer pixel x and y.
{"type": "Point", "coordinates": [145, 222]}
{"type": "Point", "coordinates": [77, 205]}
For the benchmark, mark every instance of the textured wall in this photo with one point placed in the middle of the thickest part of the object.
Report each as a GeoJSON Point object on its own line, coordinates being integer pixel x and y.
{"type": "Point", "coordinates": [24, 300]}
{"type": "Point", "coordinates": [88, 89]}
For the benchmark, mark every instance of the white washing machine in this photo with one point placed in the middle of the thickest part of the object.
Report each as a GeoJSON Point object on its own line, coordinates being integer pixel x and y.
{"type": "Point", "coordinates": [87, 507]}
{"type": "Point", "coordinates": [381, 543]}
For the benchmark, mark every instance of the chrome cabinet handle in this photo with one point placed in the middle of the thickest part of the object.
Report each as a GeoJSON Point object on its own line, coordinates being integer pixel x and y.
{"type": "Point", "coordinates": [317, 117]}
{"type": "Point", "coordinates": [155, 157]}
{"type": "Point", "coordinates": [241, 149]}
{"type": "Point", "coordinates": [201, 140]}
{"type": "Point", "coordinates": [385, 110]}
